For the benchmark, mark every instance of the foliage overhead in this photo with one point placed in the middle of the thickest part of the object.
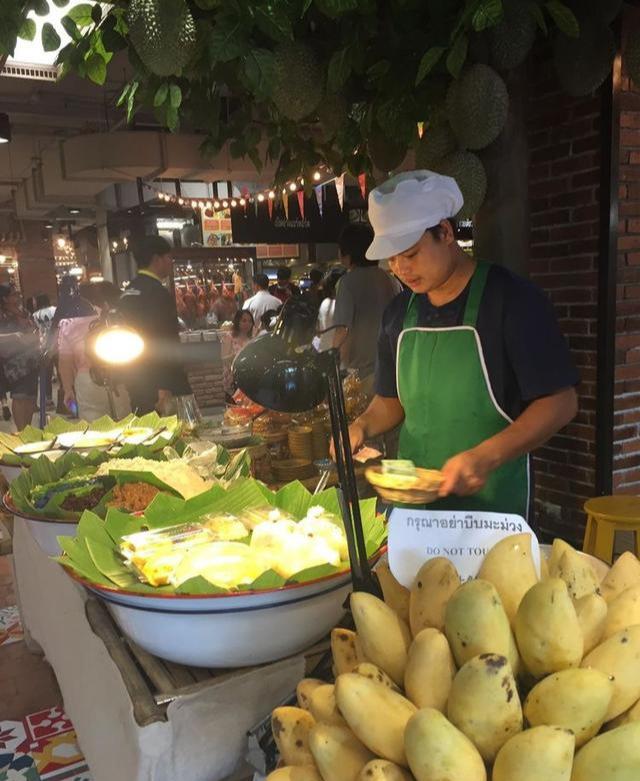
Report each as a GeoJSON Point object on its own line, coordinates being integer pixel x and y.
{"type": "Point", "coordinates": [304, 82]}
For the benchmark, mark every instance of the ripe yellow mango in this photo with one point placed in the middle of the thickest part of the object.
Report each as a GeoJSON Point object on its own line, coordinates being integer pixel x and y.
{"type": "Point", "coordinates": [578, 574]}
{"type": "Point", "coordinates": [394, 593]}
{"type": "Point", "coordinates": [375, 674]}
{"type": "Point", "coordinates": [475, 623]}
{"type": "Point", "coordinates": [624, 611]}
{"type": "Point", "coordinates": [576, 699]}
{"type": "Point", "coordinates": [305, 689]}
{"type": "Point", "coordinates": [345, 650]}
{"type": "Point", "coordinates": [592, 616]}
{"type": "Point", "coordinates": [509, 566]}
{"type": "Point", "coordinates": [434, 584]}
{"type": "Point", "coordinates": [430, 670]}
{"type": "Point", "coordinates": [547, 629]}
{"type": "Point", "coordinates": [438, 751]}
{"type": "Point", "coordinates": [338, 754]}
{"type": "Point", "coordinates": [323, 708]}
{"type": "Point", "coordinates": [619, 658]}
{"type": "Point", "coordinates": [484, 703]}
{"type": "Point", "coordinates": [295, 773]}
{"type": "Point", "coordinates": [291, 728]}
{"type": "Point", "coordinates": [376, 715]}
{"type": "Point", "coordinates": [624, 574]}
{"type": "Point", "coordinates": [612, 756]}
{"type": "Point", "coordinates": [383, 770]}
{"type": "Point", "coordinates": [558, 549]}
{"type": "Point", "coordinates": [384, 637]}
{"type": "Point", "coordinates": [537, 754]}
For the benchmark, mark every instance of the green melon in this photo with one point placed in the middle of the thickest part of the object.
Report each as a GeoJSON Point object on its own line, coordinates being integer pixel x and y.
{"type": "Point", "coordinates": [163, 33]}
{"type": "Point", "coordinates": [477, 106]}
{"type": "Point", "coordinates": [468, 171]}
{"type": "Point", "coordinates": [298, 80]}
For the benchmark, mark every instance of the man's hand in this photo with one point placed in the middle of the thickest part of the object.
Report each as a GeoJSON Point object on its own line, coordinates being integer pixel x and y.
{"type": "Point", "coordinates": [464, 474]}
{"type": "Point", "coordinates": [357, 437]}
{"type": "Point", "coordinates": [69, 398]}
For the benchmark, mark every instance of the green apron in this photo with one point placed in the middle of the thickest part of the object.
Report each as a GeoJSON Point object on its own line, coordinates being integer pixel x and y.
{"type": "Point", "coordinates": [449, 405]}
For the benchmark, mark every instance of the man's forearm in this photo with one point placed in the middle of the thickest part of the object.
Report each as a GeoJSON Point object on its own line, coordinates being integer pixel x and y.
{"type": "Point", "coordinates": [341, 343]}
{"type": "Point", "coordinates": [382, 415]}
{"type": "Point", "coordinates": [538, 423]}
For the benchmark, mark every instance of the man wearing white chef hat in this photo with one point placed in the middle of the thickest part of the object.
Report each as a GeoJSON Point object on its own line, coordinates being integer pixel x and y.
{"type": "Point", "coordinates": [470, 359]}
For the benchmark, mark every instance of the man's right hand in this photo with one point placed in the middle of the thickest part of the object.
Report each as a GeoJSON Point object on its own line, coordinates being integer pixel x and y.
{"type": "Point", "coordinates": [69, 399]}
{"type": "Point", "coordinates": [357, 436]}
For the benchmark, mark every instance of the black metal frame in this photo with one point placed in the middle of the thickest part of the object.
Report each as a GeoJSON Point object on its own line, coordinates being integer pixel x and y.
{"type": "Point", "coordinates": [607, 273]}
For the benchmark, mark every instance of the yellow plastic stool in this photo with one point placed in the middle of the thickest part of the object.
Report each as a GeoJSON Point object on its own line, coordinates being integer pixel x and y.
{"type": "Point", "coordinates": [605, 516]}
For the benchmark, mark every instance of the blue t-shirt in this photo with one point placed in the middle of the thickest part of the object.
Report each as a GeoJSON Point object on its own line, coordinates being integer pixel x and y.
{"type": "Point", "coordinates": [525, 352]}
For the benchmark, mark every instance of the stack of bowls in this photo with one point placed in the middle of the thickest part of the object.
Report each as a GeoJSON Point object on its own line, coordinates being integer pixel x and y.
{"type": "Point", "coordinates": [301, 443]}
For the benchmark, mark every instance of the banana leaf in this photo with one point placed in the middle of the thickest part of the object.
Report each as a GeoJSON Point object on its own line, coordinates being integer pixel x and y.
{"type": "Point", "coordinates": [98, 540]}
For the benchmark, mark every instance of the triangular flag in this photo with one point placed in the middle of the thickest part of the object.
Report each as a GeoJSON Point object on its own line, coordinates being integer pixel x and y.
{"type": "Point", "coordinates": [285, 204]}
{"type": "Point", "coordinates": [301, 202]}
{"type": "Point", "coordinates": [270, 205]}
{"type": "Point", "coordinates": [420, 129]}
{"type": "Point", "coordinates": [340, 190]}
{"type": "Point", "coordinates": [362, 181]}
{"type": "Point", "coordinates": [318, 191]}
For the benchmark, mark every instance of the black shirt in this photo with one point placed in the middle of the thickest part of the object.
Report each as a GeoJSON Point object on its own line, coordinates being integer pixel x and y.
{"type": "Point", "coordinates": [151, 309]}
{"type": "Point", "coordinates": [525, 352]}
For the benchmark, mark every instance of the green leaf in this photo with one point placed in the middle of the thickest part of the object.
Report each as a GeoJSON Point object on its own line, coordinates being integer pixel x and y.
{"type": "Point", "coordinates": [313, 573]}
{"type": "Point", "coordinates": [273, 21]}
{"type": "Point", "coordinates": [259, 72]}
{"type": "Point", "coordinates": [96, 68]}
{"type": "Point", "coordinates": [131, 97]}
{"type": "Point", "coordinates": [339, 69]}
{"type": "Point", "coordinates": [71, 28]}
{"type": "Point", "coordinates": [199, 585]}
{"type": "Point", "coordinates": [378, 69]}
{"type": "Point", "coordinates": [428, 62]}
{"type": "Point", "coordinates": [27, 30]}
{"type": "Point", "coordinates": [118, 524]}
{"type": "Point", "coordinates": [161, 95]}
{"type": "Point", "coordinates": [564, 18]}
{"type": "Point", "coordinates": [269, 579]}
{"type": "Point", "coordinates": [226, 41]}
{"type": "Point", "coordinates": [175, 96]}
{"type": "Point", "coordinates": [457, 56]}
{"type": "Point", "coordinates": [536, 12]}
{"type": "Point", "coordinates": [81, 14]}
{"type": "Point", "coordinates": [96, 13]}
{"type": "Point", "coordinates": [50, 38]}
{"type": "Point", "coordinates": [488, 14]}
{"type": "Point", "coordinates": [123, 95]}
{"type": "Point", "coordinates": [61, 3]}
{"type": "Point", "coordinates": [41, 7]}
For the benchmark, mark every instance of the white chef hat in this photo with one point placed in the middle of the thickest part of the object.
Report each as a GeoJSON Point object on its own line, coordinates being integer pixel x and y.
{"type": "Point", "coordinates": [402, 208]}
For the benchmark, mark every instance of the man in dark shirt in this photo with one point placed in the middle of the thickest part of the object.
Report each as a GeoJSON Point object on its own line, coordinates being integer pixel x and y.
{"type": "Point", "coordinates": [284, 288]}
{"type": "Point", "coordinates": [470, 361]}
{"type": "Point", "coordinates": [150, 308]}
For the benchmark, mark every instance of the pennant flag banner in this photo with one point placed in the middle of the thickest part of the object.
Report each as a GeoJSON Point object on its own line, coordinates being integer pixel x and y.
{"type": "Point", "coordinates": [301, 202]}
{"type": "Point", "coordinates": [340, 190]}
{"type": "Point", "coordinates": [362, 181]}
{"type": "Point", "coordinates": [270, 205]}
{"type": "Point", "coordinates": [285, 204]}
{"type": "Point", "coordinates": [318, 192]}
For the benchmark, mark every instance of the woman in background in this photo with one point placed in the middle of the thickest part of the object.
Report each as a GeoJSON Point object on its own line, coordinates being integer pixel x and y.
{"type": "Point", "coordinates": [81, 393]}
{"type": "Point", "coordinates": [324, 341]}
{"type": "Point", "coordinates": [241, 334]}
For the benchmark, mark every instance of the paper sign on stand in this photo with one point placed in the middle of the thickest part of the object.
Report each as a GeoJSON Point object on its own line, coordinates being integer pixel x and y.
{"type": "Point", "coordinates": [463, 537]}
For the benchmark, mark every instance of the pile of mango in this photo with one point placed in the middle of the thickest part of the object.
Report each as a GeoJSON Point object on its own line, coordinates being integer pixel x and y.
{"type": "Point", "coordinates": [507, 677]}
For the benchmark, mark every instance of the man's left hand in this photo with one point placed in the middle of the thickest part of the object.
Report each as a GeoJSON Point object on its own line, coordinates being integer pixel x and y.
{"type": "Point", "coordinates": [464, 474]}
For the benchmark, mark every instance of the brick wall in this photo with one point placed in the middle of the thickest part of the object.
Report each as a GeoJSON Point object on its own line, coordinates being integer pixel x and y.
{"type": "Point", "coordinates": [626, 475]}
{"type": "Point", "coordinates": [564, 143]}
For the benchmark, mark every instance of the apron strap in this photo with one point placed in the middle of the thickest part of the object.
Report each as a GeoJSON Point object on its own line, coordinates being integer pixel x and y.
{"type": "Point", "coordinates": [411, 315]}
{"type": "Point", "coordinates": [475, 294]}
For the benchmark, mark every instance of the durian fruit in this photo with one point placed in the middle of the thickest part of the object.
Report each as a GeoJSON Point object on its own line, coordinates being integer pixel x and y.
{"type": "Point", "coordinates": [583, 63]}
{"type": "Point", "coordinates": [437, 142]}
{"type": "Point", "coordinates": [298, 83]}
{"type": "Point", "coordinates": [512, 38]}
{"type": "Point", "coordinates": [468, 171]}
{"type": "Point", "coordinates": [477, 106]}
{"type": "Point", "coordinates": [386, 153]}
{"type": "Point", "coordinates": [163, 34]}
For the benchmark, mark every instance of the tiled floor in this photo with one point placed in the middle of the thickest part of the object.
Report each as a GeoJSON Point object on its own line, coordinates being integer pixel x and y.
{"type": "Point", "coordinates": [27, 683]}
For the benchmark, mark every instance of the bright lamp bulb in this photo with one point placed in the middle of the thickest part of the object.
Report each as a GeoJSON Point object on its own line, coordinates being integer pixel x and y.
{"type": "Point", "coordinates": [118, 345]}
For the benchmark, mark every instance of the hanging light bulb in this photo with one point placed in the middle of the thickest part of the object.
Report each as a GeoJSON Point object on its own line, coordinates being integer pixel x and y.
{"type": "Point", "coordinates": [216, 205]}
{"type": "Point", "coordinates": [302, 182]}
{"type": "Point", "coordinates": [272, 195]}
{"type": "Point", "coordinates": [242, 202]}
{"type": "Point", "coordinates": [234, 203]}
{"type": "Point", "coordinates": [260, 197]}
{"type": "Point", "coordinates": [181, 201]}
{"type": "Point", "coordinates": [208, 205]}
{"type": "Point", "coordinates": [293, 187]}
{"type": "Point", "coordinates": [225, 204]}
{"type": "Point", "coordinates": [194, 204]}
{"type": "Point", "coordinates": [316, 176]}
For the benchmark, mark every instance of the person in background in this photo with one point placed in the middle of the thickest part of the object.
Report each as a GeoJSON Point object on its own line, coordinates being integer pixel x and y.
{"type": "Point", "coordinates": [43, 318]}
{"type": "Point", "coordinates": [314, 293]}
{"type": "Point", "coordinates": [20, 357]}
{"type": "Point", "coordinates": [82, 395]}
{"type": "Point", "coordinates": [284, 287]}
{"type": "Point", "coordinates": [267, 322]}
{"type": "Point", "coordinates": [238, 288]}
{"type": "Point", "coordinates": [324, 341]}
{"type": "Point", "coordinates": [262, 301]}
{"type": "Point", "coordinates": [241, 334]}
{"type": "Point", "coordinates": [362, 295]}
{"type": "Point", "coordinates": [148, 307]}
{"type": "Point", "coordinates": [225, 306]}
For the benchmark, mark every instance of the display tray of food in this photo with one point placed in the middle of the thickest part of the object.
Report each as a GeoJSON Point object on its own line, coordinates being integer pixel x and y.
{"type": "Point", "coordinates": [515, 675]}
{"type": "Point", "coordinates": [234, 577]}
{"type": "Point", "coordinates": [131, 435]}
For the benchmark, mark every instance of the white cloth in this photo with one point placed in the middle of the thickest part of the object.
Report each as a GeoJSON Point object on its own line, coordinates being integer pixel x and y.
{"type": "Point", "coordinates": [262, 302]}
{"type": "Point", "coordinates": [93, 400]}
{"type": "Point", "coordinates": [402, 208]}
{"type": "Point", "coordinates": [325, 320]}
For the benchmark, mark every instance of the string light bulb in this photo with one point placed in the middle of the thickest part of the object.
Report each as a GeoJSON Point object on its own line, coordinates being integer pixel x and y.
{"type": "Point", "coordinates": [216, 205]}
{"type": "Point", "coordinates": [194, 204]}
{"type": "Point", "coordinates": [234, 203]}
{"type": "Point", "coordinates": [316, 176]}
{"type": "Point", "coordinates": [260, 197]}
{"type": "Point", "coordinates": [208, 205]}
{"type": "Point", "coordinates": [225, 204]}
{"type": "Point", "coordinates": [293, 187]}
{"type": "Point", "coordinates": [181, 201]}
{"type": "Point", "coordinates": [272, 195]}
{"type": "Point", "coordinates": [242, 202]}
